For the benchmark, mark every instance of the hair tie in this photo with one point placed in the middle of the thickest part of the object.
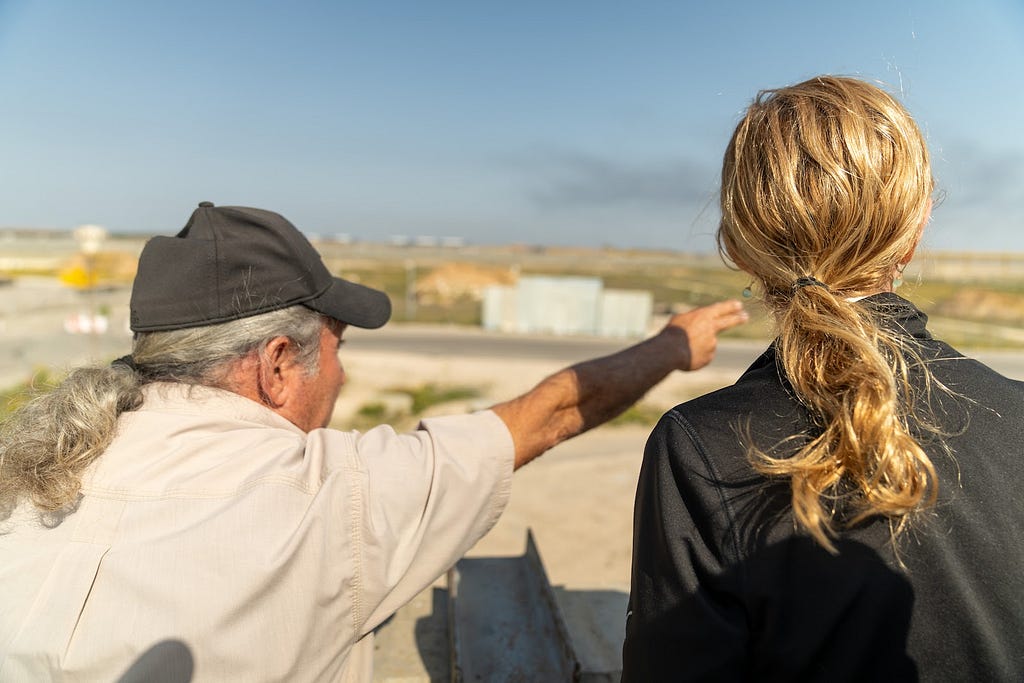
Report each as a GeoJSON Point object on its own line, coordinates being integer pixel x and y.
{"type": "Point", "coordinates": [808, 281]}
{"type": "Point", "coordinates": [126, 362]}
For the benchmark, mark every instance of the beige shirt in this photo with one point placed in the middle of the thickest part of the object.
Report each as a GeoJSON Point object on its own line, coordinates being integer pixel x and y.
{"type": "Point", "coordinates": [216, 537]}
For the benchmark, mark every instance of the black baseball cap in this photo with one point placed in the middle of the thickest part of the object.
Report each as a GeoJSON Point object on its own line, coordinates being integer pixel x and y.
{"type": "Point", "coordinates": [232, 262]}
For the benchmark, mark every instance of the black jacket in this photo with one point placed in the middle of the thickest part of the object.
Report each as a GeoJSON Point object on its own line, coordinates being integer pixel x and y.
{"type": "Point", "coordinates": [725, 588]}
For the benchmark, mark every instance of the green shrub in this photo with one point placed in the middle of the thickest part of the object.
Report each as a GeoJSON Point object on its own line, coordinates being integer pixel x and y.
{"type": "Point", "coordinates": [430, 394]}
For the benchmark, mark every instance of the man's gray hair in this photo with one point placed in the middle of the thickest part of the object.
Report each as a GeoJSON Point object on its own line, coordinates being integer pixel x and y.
{"type": "Point", "coordinates": [205, 355]}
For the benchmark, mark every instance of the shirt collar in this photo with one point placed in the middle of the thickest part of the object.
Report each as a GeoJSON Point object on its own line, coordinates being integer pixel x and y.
{"type": "Point", "coordinates": [196, 399]}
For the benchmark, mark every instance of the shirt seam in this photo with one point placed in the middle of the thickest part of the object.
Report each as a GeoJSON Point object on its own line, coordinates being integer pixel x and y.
{"type": "Point", "coordinates": [203, 494]}
{"type": "Point", "coordinates": [355, 485]}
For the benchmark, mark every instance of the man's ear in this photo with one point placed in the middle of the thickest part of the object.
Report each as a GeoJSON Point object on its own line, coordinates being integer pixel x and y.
{"type": "Point", "coordinates": [276, 366]}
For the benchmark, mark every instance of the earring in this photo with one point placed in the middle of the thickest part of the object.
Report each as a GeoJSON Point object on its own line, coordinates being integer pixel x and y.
{"type": "Point", "coordinates": [747, 293]}
{"type": "Point", "coordinates": [898, 280]}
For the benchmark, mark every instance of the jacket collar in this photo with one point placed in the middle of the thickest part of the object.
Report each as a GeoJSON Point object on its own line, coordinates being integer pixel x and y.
{"type": "Point", "coordinates": [897, 314]}
{"type": "Point", "coordinates": [892, 311]}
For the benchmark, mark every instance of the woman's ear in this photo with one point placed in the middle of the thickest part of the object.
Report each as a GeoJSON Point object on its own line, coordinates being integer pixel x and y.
{"type": "Point", "coordinates": [920, 234]}
{"type": "Point", "coordinates": [737, 261]}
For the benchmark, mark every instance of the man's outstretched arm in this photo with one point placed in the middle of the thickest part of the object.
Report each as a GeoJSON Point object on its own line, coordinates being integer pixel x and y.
{"type": "Point", "coordinates": [590, 393]}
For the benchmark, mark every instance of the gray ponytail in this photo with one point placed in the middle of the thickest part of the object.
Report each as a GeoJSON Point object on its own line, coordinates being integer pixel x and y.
{"type": "Point", "coordinates": [47, 444]}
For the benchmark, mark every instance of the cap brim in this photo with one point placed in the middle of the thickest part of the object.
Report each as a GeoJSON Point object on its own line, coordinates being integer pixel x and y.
{"type": "Point", "coordinates": [353, 304]}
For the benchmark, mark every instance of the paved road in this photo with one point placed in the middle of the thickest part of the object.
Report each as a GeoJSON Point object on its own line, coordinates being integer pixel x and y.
{"type": "Point", "coordinates": [33, 315]}
{"type": "Point", "coordinates": [471, 343]}
{"type": "Point", "coordinates": [733, 354]}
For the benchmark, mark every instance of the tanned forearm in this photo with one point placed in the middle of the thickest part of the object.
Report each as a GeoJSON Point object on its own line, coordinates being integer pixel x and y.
{"type": "Point", "coordinates": [590, 393]}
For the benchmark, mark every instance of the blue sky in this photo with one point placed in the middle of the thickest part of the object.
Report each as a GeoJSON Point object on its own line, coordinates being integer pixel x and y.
{"type": "Point", "coordinates": [573, 122]}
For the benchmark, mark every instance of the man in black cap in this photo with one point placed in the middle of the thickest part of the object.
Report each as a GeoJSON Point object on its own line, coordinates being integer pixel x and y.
{"type": "Point", "coordinates": [185, 511]}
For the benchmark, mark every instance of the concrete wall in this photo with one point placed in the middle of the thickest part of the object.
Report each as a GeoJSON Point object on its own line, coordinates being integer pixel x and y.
{"type": "Point", "coordinates": [624, 313]}
{"type": "Point", "coordinates": [558, 305]}
{"type": "Point", "coordinates": [566, 306]}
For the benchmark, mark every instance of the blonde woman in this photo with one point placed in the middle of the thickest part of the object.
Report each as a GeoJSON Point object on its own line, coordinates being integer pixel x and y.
{"type": "Point", "coordinates": [849, 509]}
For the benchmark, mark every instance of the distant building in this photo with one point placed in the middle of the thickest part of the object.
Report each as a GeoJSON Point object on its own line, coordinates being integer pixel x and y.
{"type": "Point", "coordinates": [453, 242]}
{"type": "Point", "coordinates": [567, 306]}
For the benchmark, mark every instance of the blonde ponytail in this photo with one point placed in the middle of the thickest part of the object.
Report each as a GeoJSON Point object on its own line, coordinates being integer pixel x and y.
{"type": "Point", "coordinates": [825, 186]}
{"type": "Point", "coordinates": [852, 375]}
